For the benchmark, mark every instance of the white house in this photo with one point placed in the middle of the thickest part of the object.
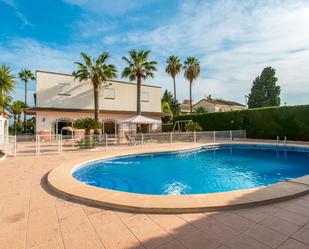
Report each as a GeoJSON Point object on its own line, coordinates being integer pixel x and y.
{"type": "Point", "coordinates": [4, 126]}
{"type": "Point", "coordinates": [219, 105]}
{"type": "Point", "coordinates": [60, 100]}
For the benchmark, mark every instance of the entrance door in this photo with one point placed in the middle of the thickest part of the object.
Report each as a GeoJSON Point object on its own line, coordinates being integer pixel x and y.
{"type": "Point", "coordinates": [109, 127]}
{"type": "Point", "coordinates": [60, 124]}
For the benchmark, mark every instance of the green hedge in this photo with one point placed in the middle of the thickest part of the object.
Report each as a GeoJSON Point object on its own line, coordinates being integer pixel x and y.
{"type": "Point", "coordinates": [167, 127]}
{"type": "Point", "coordinates": [263, 123]}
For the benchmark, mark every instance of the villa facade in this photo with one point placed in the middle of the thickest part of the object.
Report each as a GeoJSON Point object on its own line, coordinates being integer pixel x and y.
{"type": "Point", "coordinates": [211, 105]}
{"type": "Point", "coordinates": [60, 100]}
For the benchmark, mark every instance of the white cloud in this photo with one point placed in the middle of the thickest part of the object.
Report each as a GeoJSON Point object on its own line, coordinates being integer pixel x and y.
{"type": "Point", "coordinates": [18, 13]}
{"type": "Point", "coordinates": [234, 40]}
{"type": "Point", "coordinates": [28, 53]}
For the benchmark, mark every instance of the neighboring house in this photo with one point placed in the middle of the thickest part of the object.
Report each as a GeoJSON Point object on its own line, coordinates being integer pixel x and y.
{"type": "Point", "coordinates": [219, 105]}
{"type": "Point", "coordinates": [60, 100]}
{"type": "Point", "coordinates": [185, 107]}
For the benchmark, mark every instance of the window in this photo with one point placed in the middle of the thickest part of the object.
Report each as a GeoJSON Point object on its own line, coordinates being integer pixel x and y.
{"type": "Point", "coordinates": [144, 97]}
{"type": "Point", "coordinates": [64, 89]}
{"type": "Point", "coordinates": [109, 93]}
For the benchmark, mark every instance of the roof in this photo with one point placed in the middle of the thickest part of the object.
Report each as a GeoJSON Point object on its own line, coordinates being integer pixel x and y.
{"type": "Point", "coordinates": [115, 81]}
{"type": "Point", "coordinates": [139, 119]}
{"type": "Point", "coordinates": [221, 102]}
{"type": "Point", "coordinates": [32, 111]}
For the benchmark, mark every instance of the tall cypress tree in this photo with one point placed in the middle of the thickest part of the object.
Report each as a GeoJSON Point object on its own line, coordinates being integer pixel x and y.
{"type": "Point", "coordinates": [265, 91]}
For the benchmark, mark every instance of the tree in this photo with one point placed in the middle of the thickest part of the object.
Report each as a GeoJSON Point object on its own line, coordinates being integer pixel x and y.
{"type": "Point", "coordinates": [98, 72]}
{"type": "Point", "coordinates": [193, 127]}
{"type": "Point", "coordinates": [209, 97]}
{"type": "Point", "coordinates": [25, 75]}
{"type": "Point", "coordinates": [87, 124]}
{"type": "Point", "coordinates": [265, 91]}
{"type": "Point", "coordinates": [192, 72]}
{"type": "Point", "coordinates": [165, 107]}
{"type": "Point", "coordinates": [5, 102]}
{"type": "Point", "coordinates": [16, 108]}
{"type": "Point", "coordinates": [173, 68]}
{"type": "Point", "coordinates": [200, 110]}
{"type": "Point", "coordinates": [173, 102]}
{"type": "Point", "coordinates": [7, 86]}
{"type": "Point", "coordinates": [138, 68]}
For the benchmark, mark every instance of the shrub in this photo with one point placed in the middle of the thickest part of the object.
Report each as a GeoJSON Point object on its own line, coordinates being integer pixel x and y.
{"type": "Point", "coordinates": [193, 127]}
{"type": "Point", "coordinates": [200, 110]}
{"type": "Point", "coordinates": [261, 123]}
{"type": "Point", "coordinates": [167, 127]}
{"type": "Point", "coordinates": [87, 124]}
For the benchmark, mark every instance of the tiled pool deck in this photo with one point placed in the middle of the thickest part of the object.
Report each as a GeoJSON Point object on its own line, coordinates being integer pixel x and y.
{"type": "Point", "coordinates": [33, 217]}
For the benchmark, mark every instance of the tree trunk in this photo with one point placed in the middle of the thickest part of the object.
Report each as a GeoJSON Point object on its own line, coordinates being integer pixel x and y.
{"type": "Point", "coordinates": [96, 103]}
{"type": "Point", "coordinates": [138, 97]}
{"type": "Point", "coordinates": [15, 131]}
{"type": "Point", "coordinates": [174, 81]}
{"type": "Point", "coordinates": [191, 107]}
{"type": "Point", "coordinates": [25, 116]}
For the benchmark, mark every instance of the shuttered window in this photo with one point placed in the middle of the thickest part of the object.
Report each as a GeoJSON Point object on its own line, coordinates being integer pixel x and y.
{"type": "Point", "coordinates": [109, 93]}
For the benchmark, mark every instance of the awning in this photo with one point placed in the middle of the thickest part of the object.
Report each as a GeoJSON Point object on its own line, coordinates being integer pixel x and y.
{"type": "Point", "coordinates": [139, 119]}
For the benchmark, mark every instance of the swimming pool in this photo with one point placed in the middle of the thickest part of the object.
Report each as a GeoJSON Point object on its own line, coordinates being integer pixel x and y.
{"type": "Point", "coordinates": [205, 170]}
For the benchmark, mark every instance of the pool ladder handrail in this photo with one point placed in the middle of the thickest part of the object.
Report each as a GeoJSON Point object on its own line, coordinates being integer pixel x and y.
{"type": "Point", "coordinates": [284, 141]}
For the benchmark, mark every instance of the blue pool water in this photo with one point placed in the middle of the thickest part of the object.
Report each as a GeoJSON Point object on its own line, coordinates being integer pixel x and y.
{"type": "Point", "coordinates": [206, 170]}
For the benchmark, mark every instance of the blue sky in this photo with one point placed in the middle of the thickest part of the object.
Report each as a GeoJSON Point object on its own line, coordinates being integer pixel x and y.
{"type": "Point", "coordinates": [234, 40]}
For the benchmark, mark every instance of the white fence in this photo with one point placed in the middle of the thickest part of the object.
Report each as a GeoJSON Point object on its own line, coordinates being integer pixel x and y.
{"type": "Point", "coordinates": [53, 144]}
{"type": "Point", "coordinates": [8, 145]}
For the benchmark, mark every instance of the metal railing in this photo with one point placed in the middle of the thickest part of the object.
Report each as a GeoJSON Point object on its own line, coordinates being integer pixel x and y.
{"type": "Point", "coordinates": [54, 144]}
{"type": "Point", "coordinates": [8, 145]}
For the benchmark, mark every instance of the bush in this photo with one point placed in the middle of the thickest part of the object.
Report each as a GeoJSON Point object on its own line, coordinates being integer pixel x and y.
{"type": "Point", "coordinates": [87, 124]}
{"type": "Point", "coordinates": [193, 127]}
{"type": "Point", "coordinates": [261, 123]}
{"type": "Point", "coordinates": [87, 143]}
{"type": "Point", "coordinates": [167, 127]}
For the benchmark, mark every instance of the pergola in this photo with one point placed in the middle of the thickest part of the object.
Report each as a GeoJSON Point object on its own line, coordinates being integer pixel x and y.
{"type": "Point", "coordinates": [140, 120]}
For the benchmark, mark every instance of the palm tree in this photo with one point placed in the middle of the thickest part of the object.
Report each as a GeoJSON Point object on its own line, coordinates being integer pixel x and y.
{"type": "Point", "coordinates": [25, 75]}
{"type": "Point", "coordinates": [7, 85]}
{"type": "Point", "coordinates": [16, 108]}
{"type": "Point", "coordinates": [173, 68]}
{"type": "Point", "coordinates": [5, 102]}
{"type": "Point", "coordinates": [192, 71]}
{"type": "Point", "coordinates": [138, 68]}
{"type": "Point", "coordinates": [98, 72]}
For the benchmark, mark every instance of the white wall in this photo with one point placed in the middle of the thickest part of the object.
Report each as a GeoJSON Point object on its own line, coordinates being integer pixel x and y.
{"type": "Point", "coordinates": [44, 119]}
{"type": "Point", "coordinates": [50, 85]}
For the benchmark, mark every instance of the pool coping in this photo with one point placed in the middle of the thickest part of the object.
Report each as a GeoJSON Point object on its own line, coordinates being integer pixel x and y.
{"type": "Point", "coordinates": [60, 180]}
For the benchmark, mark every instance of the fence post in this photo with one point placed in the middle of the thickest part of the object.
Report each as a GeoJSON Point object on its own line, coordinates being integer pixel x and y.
{"type": "Point", "coordinates": [194, 136]}
{"type": "Point", "coordinates": [37, 143]}
{"type": "Point", "coordinates": [231, 135]}
{"type": "Point", "coordinates": [142, 138]}
{"type": "Point", "coordinates": [171, 137]}
{"type": "Point", "coordinates": [245, 134]}
{"type": "Point", "coordinates": [106, 142]}
{"type": "Point", "coordinates": [214, 136]}
{"type": "Point", "coordinates": [15, 141]}
{"type": "Point", "coordinates": [59, 143]}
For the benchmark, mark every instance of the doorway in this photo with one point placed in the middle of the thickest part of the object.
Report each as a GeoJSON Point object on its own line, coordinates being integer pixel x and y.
{"type": "Point", "coordinates": [58, 125]}
{"type": "Point", "coordinates": [109, 127]}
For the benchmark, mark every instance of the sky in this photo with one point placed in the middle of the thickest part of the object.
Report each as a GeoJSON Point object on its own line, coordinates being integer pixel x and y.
{"type": "Point", "coordinates": [233, 40]}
